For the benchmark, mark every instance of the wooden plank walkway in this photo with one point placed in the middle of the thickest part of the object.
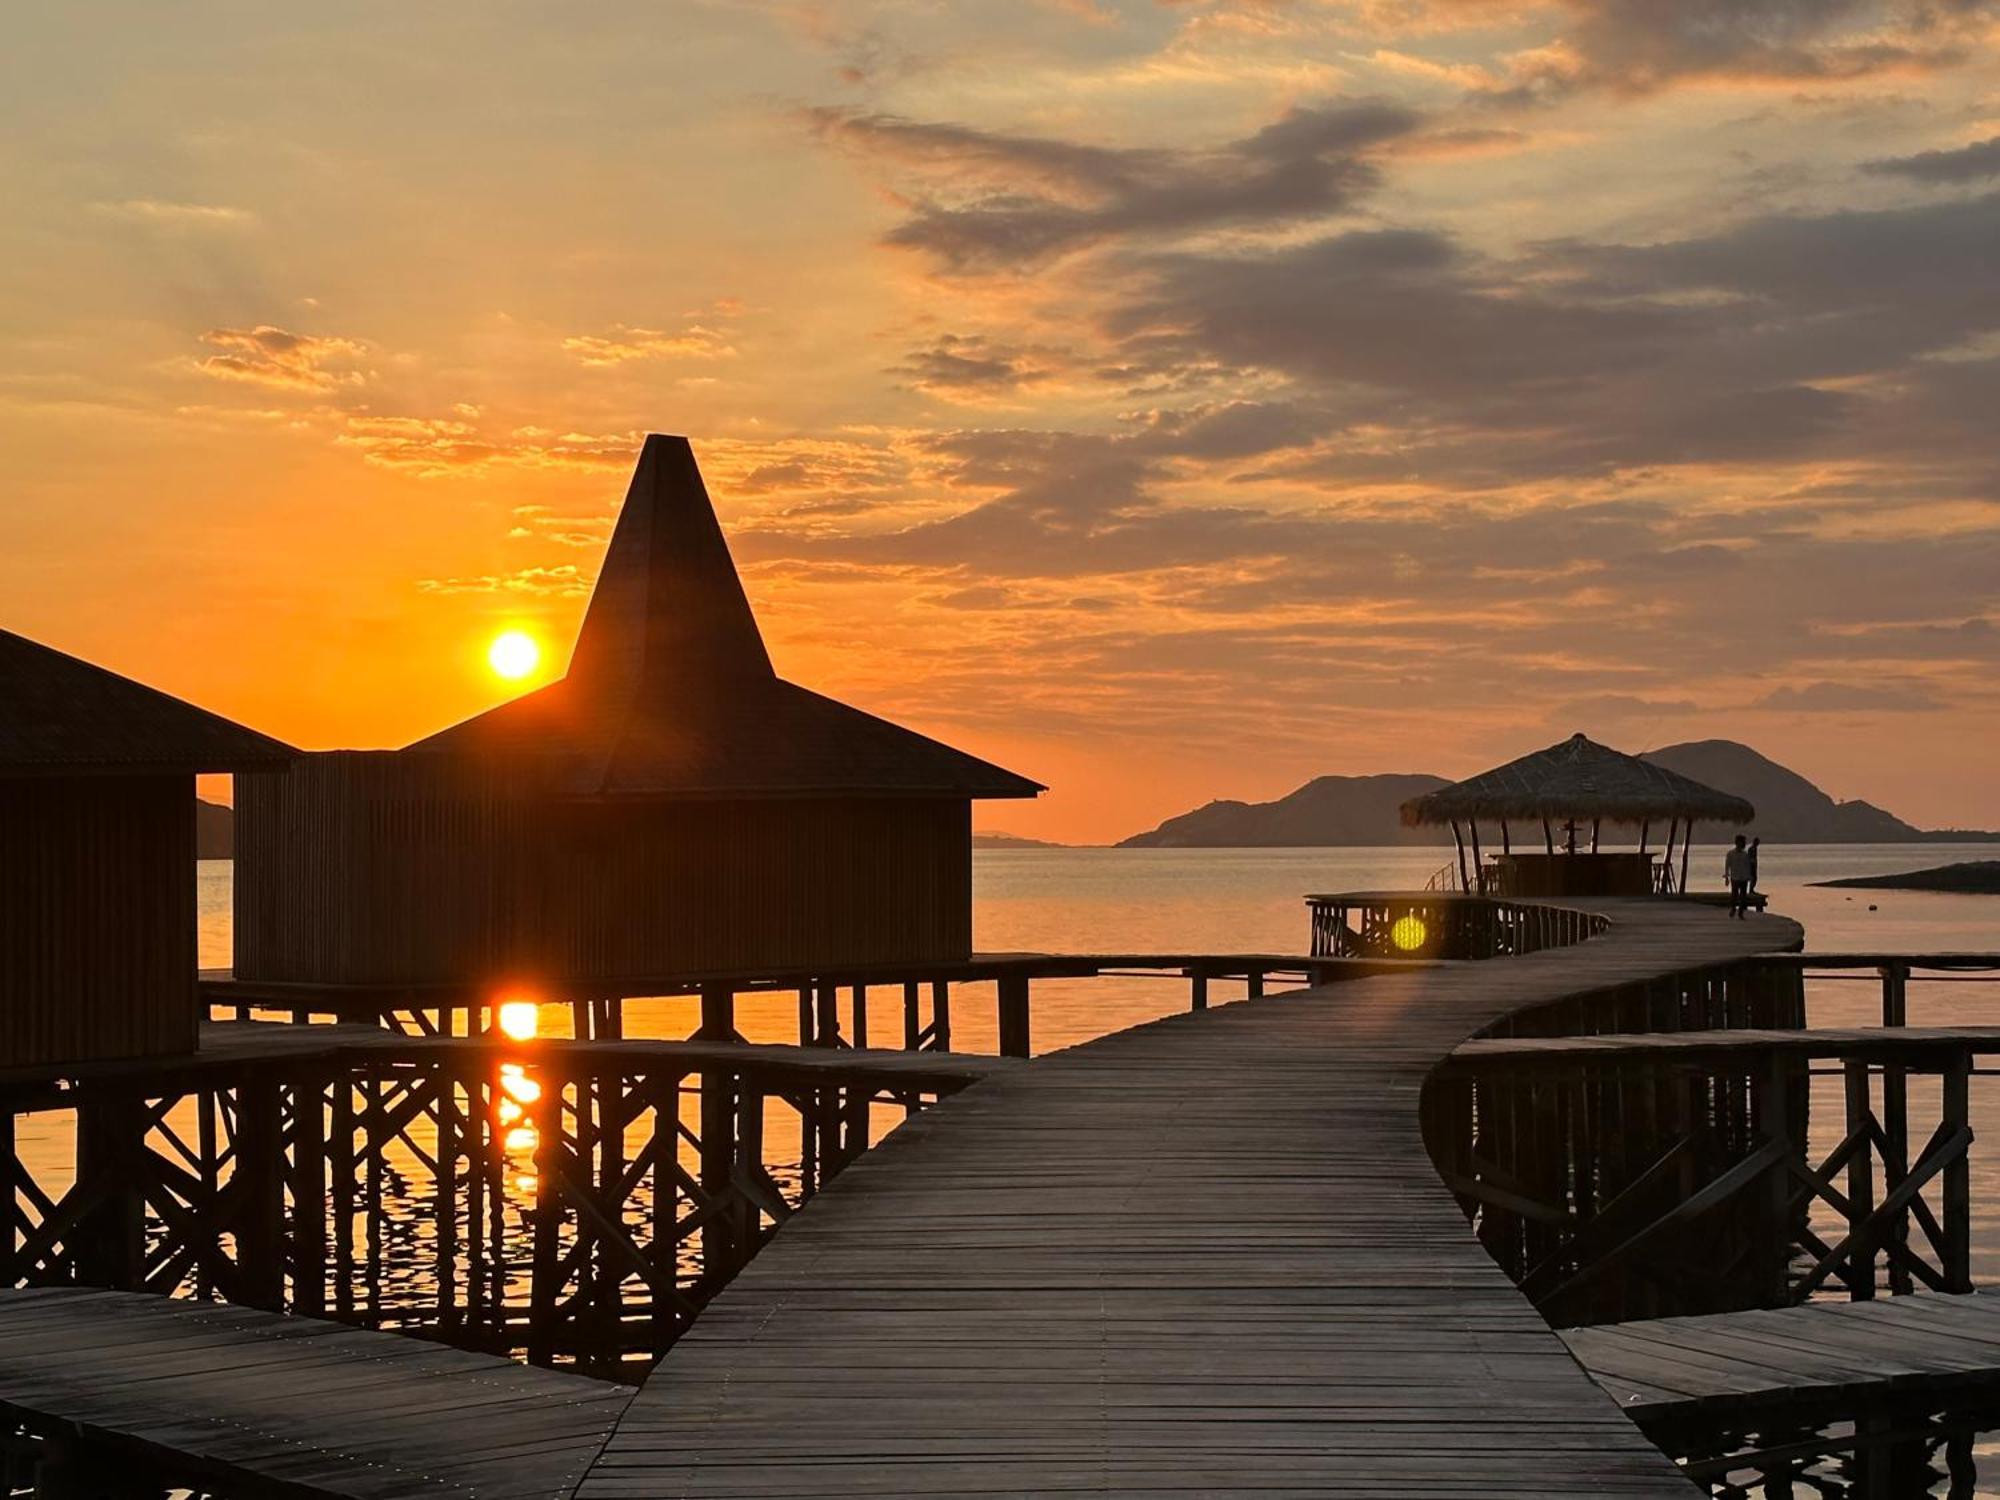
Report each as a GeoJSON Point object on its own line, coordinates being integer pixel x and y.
{"type": "Point", "coordinates": [1822, 1352]}
{"type": "Point", "coordinates": [274, 1405]}
{"type": "Point", "coordinates": [1206, 1256]}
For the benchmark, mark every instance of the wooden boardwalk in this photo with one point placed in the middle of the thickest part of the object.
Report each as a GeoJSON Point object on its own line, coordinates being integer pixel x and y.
{"type": "Point", "coordinates": [1729, 1364]}
{"type": "Point", "coordinates": [1207, 1256]}
{"type": "Point", "coordinates": [263, 1404]}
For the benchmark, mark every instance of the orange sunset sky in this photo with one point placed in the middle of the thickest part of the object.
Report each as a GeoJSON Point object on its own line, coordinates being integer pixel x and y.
{"type": "Point", "coordinates": [1167, 400]}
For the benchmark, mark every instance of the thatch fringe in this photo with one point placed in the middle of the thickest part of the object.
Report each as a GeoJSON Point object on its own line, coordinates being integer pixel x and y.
{"type": "Point", "coordinates": [1581, 779]}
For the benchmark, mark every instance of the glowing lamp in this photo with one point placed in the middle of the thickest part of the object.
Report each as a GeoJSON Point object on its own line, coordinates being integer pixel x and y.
{"type": "Point", "coordinates": [1409, 933]}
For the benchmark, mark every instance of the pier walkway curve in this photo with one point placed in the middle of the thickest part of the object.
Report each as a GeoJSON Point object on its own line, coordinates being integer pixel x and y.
{"type": "Point", "coordinates": [1205, 1256]}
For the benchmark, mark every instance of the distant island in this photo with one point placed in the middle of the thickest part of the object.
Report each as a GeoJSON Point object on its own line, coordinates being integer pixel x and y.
{"type": "Point", "coordinates": [214, 830]}
{"type": "Point", "coordinates": [1973, 876]}
{"type": "Point", "coordinates": [1349, 810]}
{"type": "Point", "coordinates": [994, 839]}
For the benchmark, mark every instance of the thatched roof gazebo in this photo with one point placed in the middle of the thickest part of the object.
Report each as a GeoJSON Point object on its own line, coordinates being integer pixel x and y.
{"type": "Point", "coordinates": [1566, 785]}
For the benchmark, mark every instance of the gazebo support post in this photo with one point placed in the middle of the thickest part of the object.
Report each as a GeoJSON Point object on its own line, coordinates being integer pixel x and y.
{"type": "Point", "coordinates": [1459, 842]}
{"type": "Point", "coordinates": [1595, 825]}
{"type": "Point", "coordinates": [1478, 859]}
{"type": "Point", "coordinates": [1645, 833]}
{"type": "Point", "coordinates": [1548, 838]}
{"type": "Point", "coordinates": [1687, 838]}
{"type": "Point", "coordinates": [1506, 840]}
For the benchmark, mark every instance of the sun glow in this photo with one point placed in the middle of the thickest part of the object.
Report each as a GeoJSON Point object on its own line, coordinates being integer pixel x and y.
{"type": "Point", "coordinates": [513, 655]}
{"type": "Point", "coordinates": [519, 1019]}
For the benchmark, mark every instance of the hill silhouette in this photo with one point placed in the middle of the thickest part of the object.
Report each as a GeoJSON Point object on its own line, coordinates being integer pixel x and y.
{"type": "Point", "coordinates": [1337, 810]}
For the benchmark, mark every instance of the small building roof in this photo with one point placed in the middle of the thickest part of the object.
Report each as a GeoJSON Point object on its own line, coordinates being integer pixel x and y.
{"type": "Point", "coordinates": [670, 692]}
{"type": "Point", "coordinates": [1578, 778]}
{"type": "Point", "coordinates": [60, 715]}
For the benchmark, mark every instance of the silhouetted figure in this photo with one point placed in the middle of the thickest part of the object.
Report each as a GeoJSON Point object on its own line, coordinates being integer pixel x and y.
{"type": "Point", "coordinates": [1754, 844]}
{"type": "Point", "coordinates": [1739, 868]}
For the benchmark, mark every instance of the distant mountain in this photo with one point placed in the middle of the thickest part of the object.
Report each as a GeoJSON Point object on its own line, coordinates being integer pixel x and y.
{"type": "Point", "coordinates": [994, 839]}
{"type": "Point", "coordinates": [214, 830]}
{"type": "Point", "coordinates": [1334, 810]}
{"type": "Point", "coordinates": [1790, 809]}
{"type": "Point", "coordinates": [1326, 810]}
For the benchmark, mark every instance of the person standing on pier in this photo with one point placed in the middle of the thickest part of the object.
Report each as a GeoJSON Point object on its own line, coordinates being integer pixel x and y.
{"type": "Point", "coordinates": [1739, 868]}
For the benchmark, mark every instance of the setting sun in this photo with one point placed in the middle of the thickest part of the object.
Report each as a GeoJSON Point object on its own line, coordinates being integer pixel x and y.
{"type": "Point", "coordinates": [513, 654]}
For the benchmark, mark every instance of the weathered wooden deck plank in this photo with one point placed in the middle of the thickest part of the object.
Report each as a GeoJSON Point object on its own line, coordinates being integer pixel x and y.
{"type": "Point", "coordinates": [1205, 1256]}
{"type": "Point", "coordinates": [1823, 1351]}
{"type": "Point", "coordinates": [279, 1405]}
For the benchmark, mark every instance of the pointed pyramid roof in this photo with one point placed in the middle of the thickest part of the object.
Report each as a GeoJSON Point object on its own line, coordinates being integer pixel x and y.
{"type": "Point", "coordinates": [1578, 778]}
{"type": "Point", "coordinates": [61, 715]}
{"type": "Point", "coordinates": [670, 692]}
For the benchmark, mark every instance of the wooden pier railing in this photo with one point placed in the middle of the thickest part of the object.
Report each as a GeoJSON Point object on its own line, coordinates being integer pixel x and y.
{"type": "Point", "coordinates": [1650, 1153]}
{"type": "Point", "coordinates": [1441, 924]}
{"type": "Point", "coordinates": [573, 1202]}
{"type": "Point", "coordinates": [908, 1006]}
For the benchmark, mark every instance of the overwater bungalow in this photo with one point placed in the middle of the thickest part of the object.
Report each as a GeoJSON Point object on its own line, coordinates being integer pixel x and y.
{"type": "Point", "coordinates": [97, 856]}
{"type": "Point", "coordinates": [1575, 788]}
{"type": "Point", "coordinates": [671, 806]}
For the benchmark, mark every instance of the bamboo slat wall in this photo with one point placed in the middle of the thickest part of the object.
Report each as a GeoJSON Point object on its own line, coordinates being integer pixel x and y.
{"type": "Point", "coordinates": [383, 868]}
{"type": "Point", "coordinates": [97, 930]}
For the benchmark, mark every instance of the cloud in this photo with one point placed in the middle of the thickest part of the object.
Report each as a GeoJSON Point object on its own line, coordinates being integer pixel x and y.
{"type": "Point", "coordinates": [969, 366]}
{"type": "Point", "coordinates": [623, 344]}
{"type": "Point", "coordinates": [563, 582]}
{"type": "Point", "coordinates": [275, 357]}
{"type": "Point", "coordinates": [165, 214]}
{"type": "Point", "coordinates": [1638, 47]}
{"type": "Point", "coordinates": [433, 447]}
{"type": "Point", "coordinates": [1965, 164]}
{"type": "Point", "coordinates": [995, 201]}
{"type": "Point", "coordinates": [1838, 697]}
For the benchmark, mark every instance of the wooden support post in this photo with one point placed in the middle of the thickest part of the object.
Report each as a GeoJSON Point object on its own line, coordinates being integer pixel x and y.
{"type": "Point", "coordinates": [1956, 1115]}
{"type": "Point", "coordinates": [1506, 839]}
{"type": "Point", "coordinates": [544, 1295]}
{"type": "Point", "coordinates": [109, 1243]}
{"type": "Point", "coordinates": [829, 1015]}
{"type": "Point", "coordinates": [1687, 838]}
{"type": "Point", "coordinates": [718, 1014]}
{"type": "Point", "coordinates": [1548, 839]}
{"type": "Point", "coordinates": [10, 1212]}
{"type": "Point", "coordinates": [1013, 1015]}
{"type": "Point", "coordinates": [257, 1192]}
{"type": "Point", "coordinates": [1458, 843]}
{"type": "Point", "coordinates": [721, 1254]}
{"type": "Point", "coordinates": [860, 993]}
{"type": "Point", "coordinates": [805, 1015]}
{"type": "Point", "coordinates": [445, 1220]}
{"type": "Point", "coordinates": [913, 1021]}
{"type": "Point", "coordinates": [1777, 1216]}
{"type": "Point", "coordinates": [941, 1014]}
{"type": "Point", "coordinates": [1895, 994]}
{"type": "Point", "coordinates": [308, 1194]}
{"type": "Point", "coordinates": [1478, 861]}
{"type": "Point", "coordinates": [1596, 826]}
{"type": "Point", "coordinates": [1197, 989]}
{"type": "Point", "coordinates": [1860, 1184]}
{"type": "Point", "coordinates": [1253, 985]}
